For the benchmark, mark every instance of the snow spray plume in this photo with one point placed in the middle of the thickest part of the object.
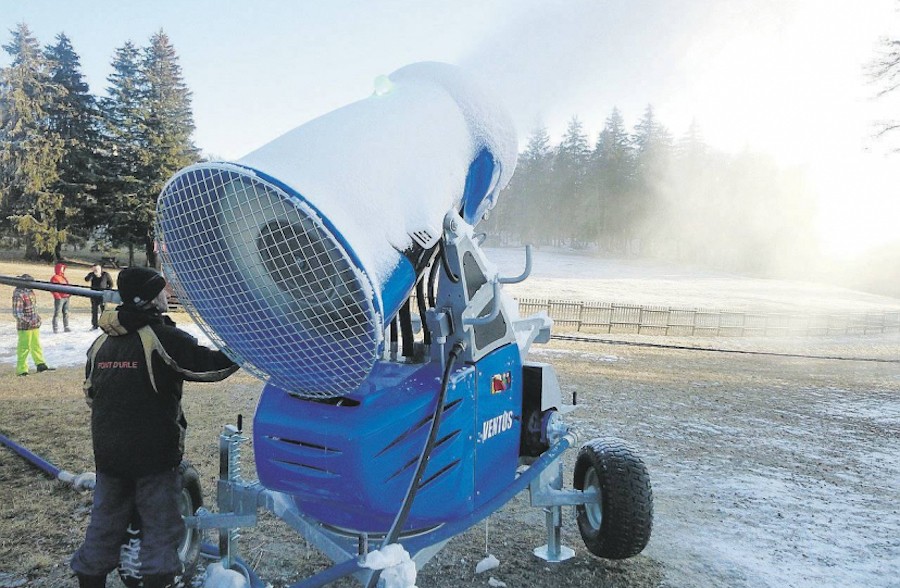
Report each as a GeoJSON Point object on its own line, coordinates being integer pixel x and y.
{"type": "Point", "coordinates": [556, 60]}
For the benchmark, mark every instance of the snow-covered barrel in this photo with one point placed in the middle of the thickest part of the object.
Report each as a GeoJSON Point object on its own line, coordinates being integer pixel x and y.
{"type": "Point", "coordinates": [292, 259]}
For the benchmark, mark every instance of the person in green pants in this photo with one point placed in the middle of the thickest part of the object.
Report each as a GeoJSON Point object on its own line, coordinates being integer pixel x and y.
{"type": "Point", "coordinates": [28, 323]}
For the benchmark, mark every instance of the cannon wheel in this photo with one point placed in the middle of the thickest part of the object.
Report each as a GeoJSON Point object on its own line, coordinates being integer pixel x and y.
{"type": "Point", "coordinates": [618, 524]}
{"type": "Point", "coordinates": [190, 500]}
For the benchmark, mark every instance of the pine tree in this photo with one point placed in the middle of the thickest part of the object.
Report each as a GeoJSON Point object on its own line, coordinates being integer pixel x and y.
{"type": "Point", "coordinates": [30, 149]}
{"type": "Point", "coordinates": [527, 201]}
{"type": "Point", "coordinates": [117, 218]}
{"type": "Point", "coordinates": [149, 126]}
{"type": "Point", "coordinates": [653, 145]}
{"type": "Point", "coordinates": [75, 118]}
{"type": "Point", "coordinates": [695, 207]}
{"type": "Point", "coordinates": [169, 126]}
{"type": "Point", "coordinates": [541, 194]}
{"type": "Point", "coordinates": [613, 160]}
{"type": "Point", "coordinates": [576, 212]}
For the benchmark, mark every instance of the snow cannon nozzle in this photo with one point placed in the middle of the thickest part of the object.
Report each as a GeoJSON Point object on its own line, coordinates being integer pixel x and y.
{"type": "Point", "coordinates": [321, 235]}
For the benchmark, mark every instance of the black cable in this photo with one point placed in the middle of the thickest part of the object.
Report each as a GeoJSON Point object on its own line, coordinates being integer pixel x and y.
{"type": "Point", "coordinates": [717, 350]}
{"type": "Point", "coordinates": [420, 301]}
{"type": "Point", "coordinates": [403, 514]}
{"type": "Point", "coordinates": [394, 334]}
{"type": "Point", "coordinates": [406, 330]}
{"type": "Point", "coordinates": [432, 276]}
{"type": "Point", "coordinates": [446, 265]}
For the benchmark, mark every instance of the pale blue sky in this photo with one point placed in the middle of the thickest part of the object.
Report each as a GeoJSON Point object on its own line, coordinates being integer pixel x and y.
{"type": "Point", "coordinates": [780, 76]}
{"type": "Point", "coordinates": [259, 68]}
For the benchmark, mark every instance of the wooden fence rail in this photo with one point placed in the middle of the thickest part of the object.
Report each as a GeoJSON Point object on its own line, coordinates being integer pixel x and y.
{"type": "Point", "coordinates": [603, 317]}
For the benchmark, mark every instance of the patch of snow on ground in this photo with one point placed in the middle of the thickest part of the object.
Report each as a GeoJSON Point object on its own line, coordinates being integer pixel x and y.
{"type": "Point", "coordinates": [397, 568]}
{"type": "Point", "coordinates": [561, 274]}
{"type": "Point", "coordinates": [807, 518]}
{"type": "Point", "coordinates": [70, 349]}
{"type": "Point", "coordinates": [575, 354]}
{"type": "Point", "coordinates": [488, 563]}
{"type": "Point", "coordinates": [218, 577]}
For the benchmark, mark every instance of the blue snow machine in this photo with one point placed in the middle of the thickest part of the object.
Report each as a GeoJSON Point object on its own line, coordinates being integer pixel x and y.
{"type": "Point", "coordinates": [339, 263]}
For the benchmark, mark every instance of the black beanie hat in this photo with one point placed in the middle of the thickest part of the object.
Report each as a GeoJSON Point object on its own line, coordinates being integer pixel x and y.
{"type": "Point", "coordinates": [140, 284]}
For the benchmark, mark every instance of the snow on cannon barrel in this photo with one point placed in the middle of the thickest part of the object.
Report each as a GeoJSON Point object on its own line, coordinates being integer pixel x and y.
{"type": "Point", "coordinates": [295, 258]}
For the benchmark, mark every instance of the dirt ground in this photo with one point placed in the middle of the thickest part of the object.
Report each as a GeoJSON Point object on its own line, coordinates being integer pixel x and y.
{"type": "Point", "coordinates": [767, 471]}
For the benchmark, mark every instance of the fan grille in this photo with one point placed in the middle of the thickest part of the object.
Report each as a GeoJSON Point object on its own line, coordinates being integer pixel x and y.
{"type": "Point", "coordinates": [267, 281]}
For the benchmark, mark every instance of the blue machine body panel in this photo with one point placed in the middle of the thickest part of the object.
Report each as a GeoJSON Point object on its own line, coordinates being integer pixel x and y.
{"type": "Point", "coordinates": [498, 421]}
{"type": "Point", "coordinates": [479, 193]}
{"type": "Point", "coordinates": [349, 463]}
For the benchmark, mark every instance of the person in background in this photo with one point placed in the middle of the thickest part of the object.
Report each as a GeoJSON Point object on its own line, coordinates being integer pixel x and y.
{"type": "Point", "coordinates": [100, 280]}
{"type": "Point", "coordinates": [28, 323]}
{"type": "Point", "coordinates": [60, 300]}
{"type": "Point", "coordinates": [134, 377]}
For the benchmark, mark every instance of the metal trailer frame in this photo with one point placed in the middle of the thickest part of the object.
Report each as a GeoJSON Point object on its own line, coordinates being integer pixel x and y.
{"type": "Point", "coordinates": [239, 502]}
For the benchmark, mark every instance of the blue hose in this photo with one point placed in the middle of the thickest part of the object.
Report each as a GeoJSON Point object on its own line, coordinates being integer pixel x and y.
{"type": "Point", "coordinates": [36, 460]}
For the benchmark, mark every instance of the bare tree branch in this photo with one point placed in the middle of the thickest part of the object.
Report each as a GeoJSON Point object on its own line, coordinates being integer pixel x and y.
{"type": "Point", "coordinates": [887, 128]}
{"type": "Point", "coordinates": [885, 71]}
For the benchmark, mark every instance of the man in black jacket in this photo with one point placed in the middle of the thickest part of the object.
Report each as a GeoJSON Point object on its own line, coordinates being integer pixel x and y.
{"type": "Point", "coordinates": [133, 383]}
{"type": "Point", "coordinates": [100, 280]}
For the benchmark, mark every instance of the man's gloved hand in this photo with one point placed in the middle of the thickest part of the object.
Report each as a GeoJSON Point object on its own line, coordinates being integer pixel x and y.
{"type": "Point", "coordinates": [109, 322]}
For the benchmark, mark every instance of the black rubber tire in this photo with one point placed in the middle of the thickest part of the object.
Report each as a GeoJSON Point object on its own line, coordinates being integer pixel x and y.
{"type": "Point", "coordinates": [618, 526]}
{"type": "Point", "coordinates": [192, 499]}
{"type": "Point", "coordinates": [189, 550]}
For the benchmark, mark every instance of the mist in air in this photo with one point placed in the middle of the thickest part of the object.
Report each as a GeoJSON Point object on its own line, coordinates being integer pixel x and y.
{"type": "Point", "coordinates": [779, 95]}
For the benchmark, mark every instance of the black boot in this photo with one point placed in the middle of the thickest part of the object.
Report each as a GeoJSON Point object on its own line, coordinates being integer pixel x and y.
{"type": "Point", "coordinates": [91, 581]}
{"type": "Point", "coordinates": [43, 367]}
{"type": "Point", "coordinates": [159, 580]}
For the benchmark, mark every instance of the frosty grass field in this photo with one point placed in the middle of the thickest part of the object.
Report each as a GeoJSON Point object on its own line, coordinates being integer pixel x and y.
{"type": "Point", "coordinates": [768, 470]}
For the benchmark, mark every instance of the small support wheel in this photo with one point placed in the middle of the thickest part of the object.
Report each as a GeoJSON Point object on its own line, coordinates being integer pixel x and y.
{"type": "Point", "coordinates": [618, 524]}
{"type": "Point", "coordinates": [190, 499]}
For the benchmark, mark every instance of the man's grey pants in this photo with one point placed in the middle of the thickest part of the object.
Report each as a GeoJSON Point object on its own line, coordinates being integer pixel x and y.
{"type": "Point", "coordinates": [115, 499]}
{"type": "Point", "coordinates": [60, 307]}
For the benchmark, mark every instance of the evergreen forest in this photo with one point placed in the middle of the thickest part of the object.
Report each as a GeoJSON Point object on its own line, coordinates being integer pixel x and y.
{"type": "Point", "coordinates": [641, 192]}
{"type": "Point", "coordinates": [79, 168]}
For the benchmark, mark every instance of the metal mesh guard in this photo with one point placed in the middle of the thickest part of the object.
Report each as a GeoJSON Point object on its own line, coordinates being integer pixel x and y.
{"type": "Point", "coordinates": [267, 281]}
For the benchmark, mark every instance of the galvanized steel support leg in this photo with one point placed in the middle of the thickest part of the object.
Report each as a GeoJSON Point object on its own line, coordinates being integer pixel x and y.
{"type": "Point", "coordinates": [229, 472]}
{"type": "Point", "coordinates": [549, 484]}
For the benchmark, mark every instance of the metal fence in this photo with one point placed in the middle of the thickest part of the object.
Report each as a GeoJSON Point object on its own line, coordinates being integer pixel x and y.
{"type": "Point", "coordinates": [604, 317]}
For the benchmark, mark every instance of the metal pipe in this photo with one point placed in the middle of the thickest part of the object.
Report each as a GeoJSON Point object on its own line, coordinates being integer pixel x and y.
{"type": "Point", "coordinates": [106, 295]}
{"type": "Point", "coordinates": [521, 277]}
{"type": "Point", "coordinates": [495, 309]}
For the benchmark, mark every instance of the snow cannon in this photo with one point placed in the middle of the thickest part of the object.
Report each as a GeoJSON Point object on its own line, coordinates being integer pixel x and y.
{"type": "Point", "coordinates": [340, 263]}
{"type": "Point", "coordinates": [295, 258]}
